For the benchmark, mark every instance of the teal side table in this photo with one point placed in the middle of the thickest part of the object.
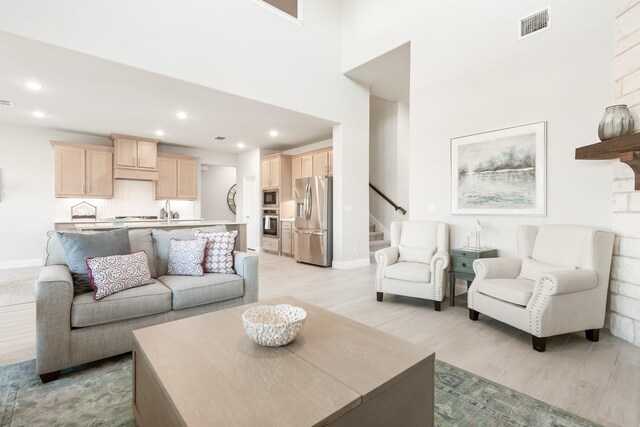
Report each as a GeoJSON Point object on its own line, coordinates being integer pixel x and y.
{"type": "Point", "coordinates": [462, 266]}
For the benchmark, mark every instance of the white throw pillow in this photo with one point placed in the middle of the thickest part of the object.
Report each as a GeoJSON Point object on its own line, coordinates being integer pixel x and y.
{"type": "Point", "coordinates": [532, 269]}
{"type": "Point", "coordinates": [111, 274]}
{"type": "Point", "coordinates": [186, 257]}
{"type": "Point", "coordinates": [219, 254]}
{"type": "Point", "coordinates": [410, 254]}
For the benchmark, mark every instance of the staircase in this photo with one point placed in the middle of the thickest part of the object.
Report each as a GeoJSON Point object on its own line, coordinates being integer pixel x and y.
{"type": "Point", "coordinates": [376, 241]}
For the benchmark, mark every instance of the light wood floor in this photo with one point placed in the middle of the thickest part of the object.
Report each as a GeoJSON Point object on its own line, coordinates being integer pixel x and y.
{"type": "Point", "coordinates": [598, 381]}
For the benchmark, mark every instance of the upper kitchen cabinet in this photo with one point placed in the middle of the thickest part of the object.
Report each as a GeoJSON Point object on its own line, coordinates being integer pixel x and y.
{"type": "Point", "coordinates": [83, 170]}
{"type": "Point", "coordinates": [135, 157]}
{"type": "Point", "coordinates": [275, 172]}
{"type": "Point", "coordinates": [177, 178]}
{"type": "Point", "coordinates": [323, 163]}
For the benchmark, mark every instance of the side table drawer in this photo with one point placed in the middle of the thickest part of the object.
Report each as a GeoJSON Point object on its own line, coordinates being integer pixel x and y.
{"type": "Point", "coordinates": [463, 264]}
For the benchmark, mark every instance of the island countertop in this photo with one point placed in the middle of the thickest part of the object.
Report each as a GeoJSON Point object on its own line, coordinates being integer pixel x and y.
{"type": "Point", "coordinates": [241, 227]}
{"type": "Point", "coordinates": [152, 224]}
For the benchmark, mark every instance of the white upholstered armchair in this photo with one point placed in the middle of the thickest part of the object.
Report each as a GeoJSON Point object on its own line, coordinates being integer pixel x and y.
{"type": "Point", "coordinates": [557, 285]}
{"type": "Point", "coordinates": [415, 263]}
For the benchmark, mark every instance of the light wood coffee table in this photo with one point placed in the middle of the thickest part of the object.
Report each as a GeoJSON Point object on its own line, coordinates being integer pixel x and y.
{"type": "Point", "coordinates": [205, 371]}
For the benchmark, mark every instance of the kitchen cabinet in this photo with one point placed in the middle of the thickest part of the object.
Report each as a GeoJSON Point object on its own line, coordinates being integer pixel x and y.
{"type": "Point", "coordinates": [313, 163]}
{"type": "Point", "coordinates": [177, 178]}
{"type": "Point", "coordinates": [307, 166]}
{"type": "Point", "coordinates": [137, 154]}
{"type": "Point", "coordinates": [83, 170]}
{"type": "Point", "coordinates": [320, 164]}
{"type": "Point", "coordinates": [270, 172]}
{"type": "Point", "coordinates": [296, 172]}
{"type": "Point", "coordinates": [287, 238]}
{"type": "Point", "coordinates": [276, 173]}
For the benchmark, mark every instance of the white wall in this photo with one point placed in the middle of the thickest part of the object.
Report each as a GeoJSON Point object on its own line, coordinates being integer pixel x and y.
{"type": "Point", "coordinates": [469, 77]}
{"type": "Point", "coordinates": [27, 189]}
{"type": "Point", "coordinates": [29, 208]}
{"type": "Point", "coordinates": [388, 160]}
{"type": "Point", "coordinates": [309, 147]}
{"type": "Point", "coordinates": [216, 182]}
{"type": "Point", "coordinates": [249, 167]}
{"type": "Point", "coordinates": [299, 69]}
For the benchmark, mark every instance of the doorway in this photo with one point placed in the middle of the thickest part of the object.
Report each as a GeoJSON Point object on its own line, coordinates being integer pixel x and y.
{"type": "Point", "coordinates": [250, 213]}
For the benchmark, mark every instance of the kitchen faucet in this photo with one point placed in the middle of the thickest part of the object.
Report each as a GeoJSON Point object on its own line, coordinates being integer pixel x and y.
{"type": "Point", "coordinates": [167, 208]}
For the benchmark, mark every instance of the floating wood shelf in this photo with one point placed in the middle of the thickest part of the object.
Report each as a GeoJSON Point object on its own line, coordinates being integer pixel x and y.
{"type": "Point", "coordinates": [626, 148]}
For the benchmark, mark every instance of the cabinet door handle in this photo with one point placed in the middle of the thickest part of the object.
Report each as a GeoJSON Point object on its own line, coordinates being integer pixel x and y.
{"type": "Point", "coordinates": [464, 264]}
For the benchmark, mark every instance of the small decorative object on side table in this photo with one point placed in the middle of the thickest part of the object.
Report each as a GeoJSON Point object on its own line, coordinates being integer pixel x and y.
{"type": "Point", "coordinates": [462, 266]}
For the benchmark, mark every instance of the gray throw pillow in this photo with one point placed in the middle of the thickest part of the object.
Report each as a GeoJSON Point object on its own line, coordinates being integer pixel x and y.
{"type": "Point", "coordinates": [79, 247]}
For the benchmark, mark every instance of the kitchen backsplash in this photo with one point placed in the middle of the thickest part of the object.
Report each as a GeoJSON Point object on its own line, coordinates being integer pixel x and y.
{"type": "Point", "coordinates": [134, 198]}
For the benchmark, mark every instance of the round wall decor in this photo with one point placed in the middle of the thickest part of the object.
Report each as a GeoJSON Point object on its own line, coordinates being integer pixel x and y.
{"type": "Point", "coordinates": [231, 198]}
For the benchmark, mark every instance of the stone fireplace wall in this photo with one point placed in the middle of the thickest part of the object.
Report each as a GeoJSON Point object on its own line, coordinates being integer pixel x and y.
{"type": "Point", "coordinates": [625, 273]}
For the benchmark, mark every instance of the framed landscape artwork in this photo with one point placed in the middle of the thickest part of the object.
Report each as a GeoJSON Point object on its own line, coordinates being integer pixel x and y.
{"type": "Point", "coordinates": [500, 172]}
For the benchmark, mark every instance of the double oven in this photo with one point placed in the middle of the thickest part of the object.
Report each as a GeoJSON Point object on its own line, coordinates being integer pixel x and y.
{"type": "Point", "coordinates": [270, 214]}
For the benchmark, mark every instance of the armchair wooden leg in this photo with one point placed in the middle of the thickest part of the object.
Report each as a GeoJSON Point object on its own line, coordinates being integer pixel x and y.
{"type": "Point", "coordinates": [49, 376]}
{"type": "Point", "coordinates": [539, 344]}
{"type": "Point", "coordinates": [379, 296]}
{"type": "Point", "coordinates": [437, 305]}
{"type": "Point", "coordinates": [473, 315]}
{"type": "Point", "coordinates": [593, 335]}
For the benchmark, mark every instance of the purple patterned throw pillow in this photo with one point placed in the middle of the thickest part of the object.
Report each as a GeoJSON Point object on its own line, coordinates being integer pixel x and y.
{"type": "Point", "coordinates": [219, 254]}
{"type": "Point", "coordinates": [186, 257]}
{"type": "Point", "coordinates": [111, 274]}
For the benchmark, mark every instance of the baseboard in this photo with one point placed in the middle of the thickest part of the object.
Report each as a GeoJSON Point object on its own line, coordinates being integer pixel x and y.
{"type": "Point", "coordinates": [20, 263]}
{"type": "Point", "coordinates": [346, 265]}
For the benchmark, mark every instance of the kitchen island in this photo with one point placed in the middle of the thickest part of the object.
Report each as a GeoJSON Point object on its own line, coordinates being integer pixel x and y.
{"type": "Point", "coordinates": [93, 226]}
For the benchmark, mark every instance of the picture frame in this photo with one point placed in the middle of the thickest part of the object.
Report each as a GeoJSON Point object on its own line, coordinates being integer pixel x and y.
{"type": "Point", "coordinates": [500, 172]}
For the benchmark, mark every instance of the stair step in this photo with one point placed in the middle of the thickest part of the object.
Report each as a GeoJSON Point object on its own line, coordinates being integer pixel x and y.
{"type": "Point", "coordinates": [372, 228]}
{"type": "Point", "coordinates": [378, 244]}
{"type": "Point", "coordinates": [375, 235]}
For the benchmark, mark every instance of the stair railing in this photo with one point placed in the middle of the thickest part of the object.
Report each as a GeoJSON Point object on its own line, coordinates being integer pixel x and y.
{"type": "Point", "coordinates": [391, 202]}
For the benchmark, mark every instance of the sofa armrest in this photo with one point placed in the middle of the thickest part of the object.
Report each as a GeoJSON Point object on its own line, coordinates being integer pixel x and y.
{"type": "Point", "coordinates": [569, 281]}
{"type": "Point", "coordinates": [387, 256]}
{"type": "Point", "coordinates": [497, 268]}
{"type": "Point", "coordinates": [246, 266]}
{"type": "Point", "coordinates": [440, 261]}
{"type": "Point", "coordinates": [384, 257]}
{"type": "Point", "coordinates": [54, 295]}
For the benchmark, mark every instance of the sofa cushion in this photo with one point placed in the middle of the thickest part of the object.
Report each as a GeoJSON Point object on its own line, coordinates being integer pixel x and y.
{"type": "Point", "coordinates": [129, 304]}
{"type": "Point", "coordinates": [414, 254]}
{"type": "Point", "coordinates": [218, 257]}
{"type": "Point", "coordinates": [54, 252]}
{"type": "Point", "coordinates": [79, 247]}
{"type": "Point", "coordinates": [532, 269]}
{"type": "Point", "coordinates": [191, 291]}
{"type": "Point", "coordinates": [161, 241]}
{"type": "Point", "coordinates": [186, 257]}
{"type": "Point", "coordinates": [516, 291]}
{"type": "Point", "coordinates": [116, 273]}
{"type": "Point", "coordinates": [141, 240]}
{"type": "Point", "coordinates": [409, 271]}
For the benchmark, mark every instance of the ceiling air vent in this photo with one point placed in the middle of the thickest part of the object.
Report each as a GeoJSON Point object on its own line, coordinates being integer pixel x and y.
{"type": "Point", "coordinates": [6, 103]}
{"type": "Point", "coordinates": [220, 138]}
{"type": "Point", "coordinates": [534, 23]}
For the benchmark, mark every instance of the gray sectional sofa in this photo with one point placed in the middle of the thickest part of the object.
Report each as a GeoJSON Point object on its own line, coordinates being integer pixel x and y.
{"type": "Point", "coordinates": [71, 330]}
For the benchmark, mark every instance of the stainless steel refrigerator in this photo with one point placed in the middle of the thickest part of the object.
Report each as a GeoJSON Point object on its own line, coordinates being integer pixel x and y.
{"type": "Point", "coordinates": [313, 233]}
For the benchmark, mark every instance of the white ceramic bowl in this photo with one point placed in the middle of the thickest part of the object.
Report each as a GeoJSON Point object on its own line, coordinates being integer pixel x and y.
{"type": "Point", "coordinates": [273, 325]}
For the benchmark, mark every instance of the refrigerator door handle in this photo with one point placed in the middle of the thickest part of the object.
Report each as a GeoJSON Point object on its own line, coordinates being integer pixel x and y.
{"type": "Point", "coordinates": [315, 232]}
{"type": "Point", "coordinates": [307, 202]}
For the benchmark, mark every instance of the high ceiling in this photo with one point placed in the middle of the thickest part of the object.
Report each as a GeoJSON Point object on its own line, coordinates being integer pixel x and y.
{"type": "Point", "coordinates": [387, 75]}
{"type": "Point", "coordinates": [85, 94]}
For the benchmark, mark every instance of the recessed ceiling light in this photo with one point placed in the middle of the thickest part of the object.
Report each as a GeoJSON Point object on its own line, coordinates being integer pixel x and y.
{"type": "Point", "coordinates": [160, 132]}
{"type": "Point", "coordinates": [39, 114]}
{"type": "Point", "coordinates": [240, 144]}
{"type": "Point", "coordinates": [33, 85]}
{"type": "Point", "coordinates": [273, 133]}
{"type": "Point", "coordinates": [181, 115]}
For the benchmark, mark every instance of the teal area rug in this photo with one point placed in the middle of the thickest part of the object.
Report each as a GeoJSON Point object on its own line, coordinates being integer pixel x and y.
{"type": "Point", "coordinates": [99, 394]}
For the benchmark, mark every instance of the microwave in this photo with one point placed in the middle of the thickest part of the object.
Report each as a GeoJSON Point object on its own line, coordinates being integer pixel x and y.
{"type": "Point", "coordinates": [270, 198]}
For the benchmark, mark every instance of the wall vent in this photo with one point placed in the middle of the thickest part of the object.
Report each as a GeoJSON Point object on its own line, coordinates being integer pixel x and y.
{"type": "Point", "coordinates": [6, 103]}
{"type": "Point", "coordinates": [535, 23]}
{"type": "Point", "coordinates": [220, 138]}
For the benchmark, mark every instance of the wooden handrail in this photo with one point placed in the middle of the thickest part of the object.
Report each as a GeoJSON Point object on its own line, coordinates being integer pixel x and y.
{"type": "Point", "coordinates": [391, 202]}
